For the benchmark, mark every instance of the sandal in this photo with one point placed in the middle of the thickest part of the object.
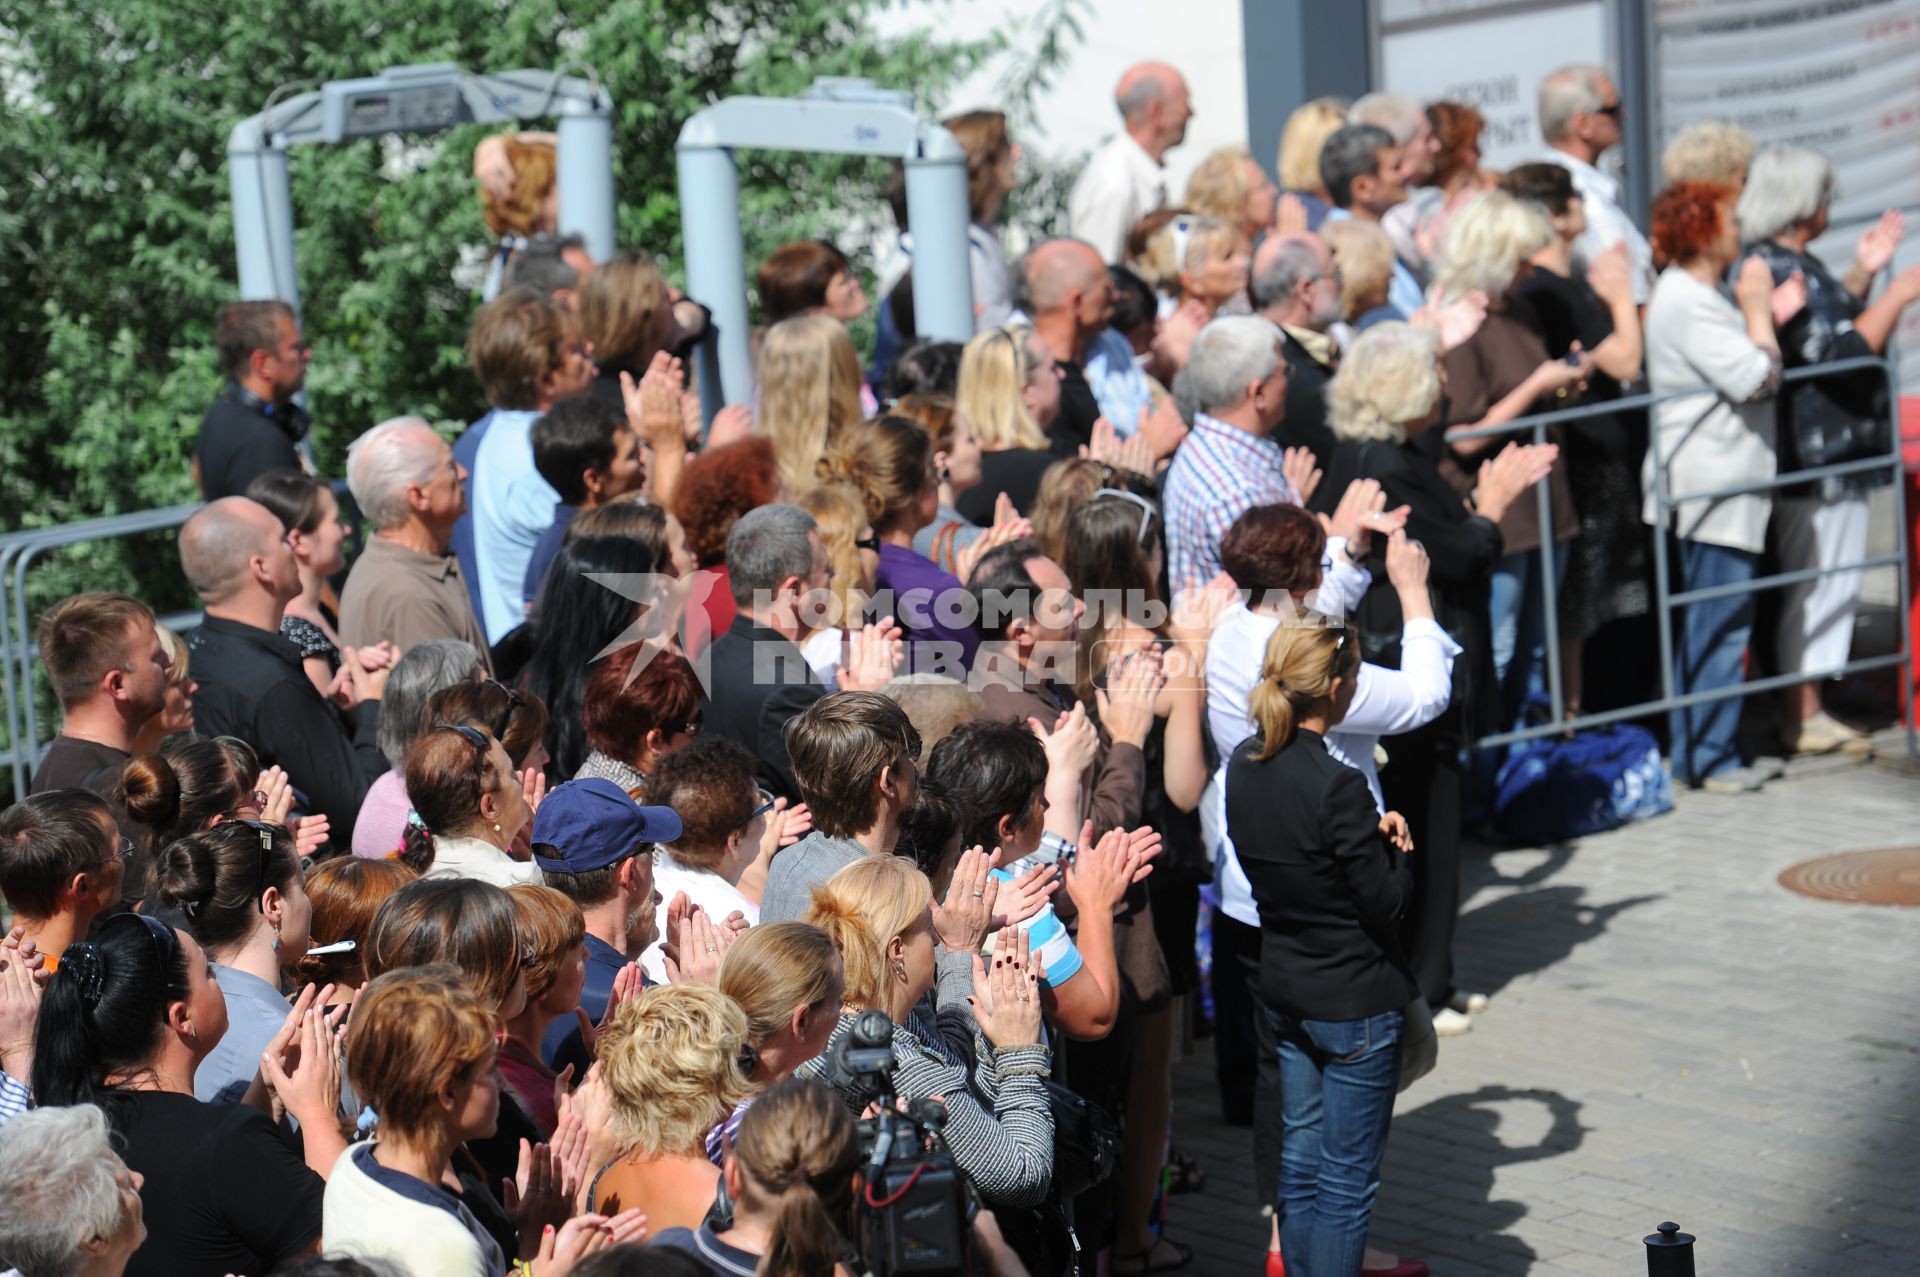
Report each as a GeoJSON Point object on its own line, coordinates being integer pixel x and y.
{"type": "Point", "coordinates": [1184, 1173]}
{"type": "Point", "coordinates": [1143, 1261]}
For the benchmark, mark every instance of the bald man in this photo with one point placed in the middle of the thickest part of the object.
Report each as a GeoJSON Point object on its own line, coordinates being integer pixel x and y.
{"type": "Point", "coordinates": [235, 555]}
{"type": "Point", "coordinates": [1294, 283]}
{"type": "Point", "coordinates": [1063, 289]}
{"type": "Point", "coordinates": [1124, 181]}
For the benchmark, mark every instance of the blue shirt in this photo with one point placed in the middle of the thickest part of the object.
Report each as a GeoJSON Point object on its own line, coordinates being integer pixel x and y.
{"type": "Point", "coordinates": [465, 449]}
{"type": "Point", "coordinates": [255, 1012]}
{"type": "Point", "coordinates": [1219, 473]}
{"type": "Point", "coordinates": [510, 506]}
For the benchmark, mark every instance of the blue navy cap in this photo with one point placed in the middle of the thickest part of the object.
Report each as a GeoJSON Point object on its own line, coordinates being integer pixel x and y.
{"type": "Point", "coordinates": [589, 824]}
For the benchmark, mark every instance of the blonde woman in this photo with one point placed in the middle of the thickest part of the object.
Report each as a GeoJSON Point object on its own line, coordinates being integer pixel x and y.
{"type": "Point", "coordinates": [1499, 373]}
{"type": "Point", "coordinates": [809, 393]}
{"type": "Point", "coordinates": [671, 1067]}
{"type": "Point", "coordinates": [1717, 151]}
{"type": "Point", "coordinates": [1363, 255]}
{"type": "Point", "coordinates": [1298, 163]}
{"type": "Point", "coordinates": [853, 552]}
{"type": "Point", "coordinates": [1192, 258]}
{"type": "Point", "coordinates": [1230, 187]}
{"type": "Point", "coordinates": [880, 915]}
{"type": "Point", "coordinates": [1332, 882]}
{"type": "Point", "coordinates": [176, 711]}
{"type": "Point", "coordinates": [1009, 391]}
{"type": "Point", "coordinates": [788, 978]}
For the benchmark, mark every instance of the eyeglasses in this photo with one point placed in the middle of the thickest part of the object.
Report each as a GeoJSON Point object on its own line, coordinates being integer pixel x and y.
{"type": "Point", "coordinates": [871, 541]}
{"type": "Point", "coordinates": [1615, 109]}
{"type": "Point", "coordinates": [514, 702]}
{"type": "Point", "coordinates": [687, 729]}
{"type": "Point", "coordinates": [1147, 509]}
{"type": "Point", "coordinates": [123, 853]}
{"type": "Point", "coordinates": [766, 805]}
{"type": "Point", "coordinates": [472, 735]}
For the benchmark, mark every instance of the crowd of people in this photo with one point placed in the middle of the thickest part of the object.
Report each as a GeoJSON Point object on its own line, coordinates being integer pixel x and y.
{"type": "Point", "coordinates": [501, 899]}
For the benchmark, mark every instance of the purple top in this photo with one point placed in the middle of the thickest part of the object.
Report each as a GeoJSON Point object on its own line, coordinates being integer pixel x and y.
{"type": "Point", "coordinates": [383, 817]}
{"type": "Point", "coordinates": [934, 611]}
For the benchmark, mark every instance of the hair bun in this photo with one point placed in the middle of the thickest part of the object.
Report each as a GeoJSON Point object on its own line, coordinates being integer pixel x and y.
{"type": "Point", "coordinates": [151, 788]}
{"type": "Point", "coordinates": [87, 966]}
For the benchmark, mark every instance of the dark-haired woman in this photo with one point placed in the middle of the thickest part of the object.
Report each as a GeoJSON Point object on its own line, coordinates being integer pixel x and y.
{"type": "Point", "coordinates": [580, 618]}
{"type": "Point", "coordinates": [126, 1022]}
{"type": "Point", "coordinates": [243, 893]}
{"type": "Point", "coordinates": [196, 783]}
{"type": "Point", "coordinates": [470, 804]}
{"type": "Point", "coordinates": [1330, 885]}
{"type": "Point", "coordinates": [790, 1177]}
{"type": "Point", "coordinates": [317, 533]}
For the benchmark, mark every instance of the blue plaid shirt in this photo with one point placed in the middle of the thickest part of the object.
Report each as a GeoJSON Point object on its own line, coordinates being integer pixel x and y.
{"type": "Point", "coordinates": [1218, 474]}
{"type": "Point", "coordinates": [14, 1098]}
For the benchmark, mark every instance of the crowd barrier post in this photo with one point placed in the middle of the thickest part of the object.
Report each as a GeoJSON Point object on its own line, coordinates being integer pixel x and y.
{"type": "Point", "coordinates": [1669, 1251]}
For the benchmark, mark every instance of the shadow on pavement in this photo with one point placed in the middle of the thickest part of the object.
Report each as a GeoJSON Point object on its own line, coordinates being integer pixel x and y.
{"type": "Point", "coordinates": [1437, 1194]}
{"type": "Point", "coordinates": [1529, 931]}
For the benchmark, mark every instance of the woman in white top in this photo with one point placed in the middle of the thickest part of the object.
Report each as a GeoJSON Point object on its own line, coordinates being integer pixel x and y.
{"type": "Point", "coordinates": [723, 835]}
{"type": "Point", "coordinates": [992, 173]}
{"type": "Point", "coordinates": [1719, 438]}
{"type": "Point", "coordinates": [468, 807]}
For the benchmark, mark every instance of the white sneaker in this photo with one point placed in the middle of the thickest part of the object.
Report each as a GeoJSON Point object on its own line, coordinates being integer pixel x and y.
{"type": "Point", "coordinates": [1820, 734]}
{"type": "Point", "coordinates": [1468, 1003]}
{"type": "Point", "coordinates": [1449, 1023]}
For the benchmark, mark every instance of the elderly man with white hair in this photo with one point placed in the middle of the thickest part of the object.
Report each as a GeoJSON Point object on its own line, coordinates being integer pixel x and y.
{"type": "Point", "coordinates": [1826, 421]}
{"type": "Point", "coordinates": [1124, 181]}
{"type": "Point", "coordinates": [406, 586]}
{"type": "Point", "coordinates": [235, 555]}
{"type": "Point", "coordinates": [1580, 114]}
{"type": "Point", "coordinates": [1229, 462]}
{"type": "Point", "coordinates": [69, 1207]}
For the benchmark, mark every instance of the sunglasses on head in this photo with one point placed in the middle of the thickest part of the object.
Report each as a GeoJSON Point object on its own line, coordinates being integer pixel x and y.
{"type": "Point", "coordinates": [514, 702]}
{"type": "Point", "coordinates": [1146, 507]}
{"type": "Point", "coordinates": [472, 735]}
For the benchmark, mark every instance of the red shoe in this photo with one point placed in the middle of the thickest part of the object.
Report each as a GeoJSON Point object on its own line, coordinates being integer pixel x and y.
{"type": "Point", "coordinates": [1275, 1266]}
{"type": "Point", "coordinates": [1405, 1268]}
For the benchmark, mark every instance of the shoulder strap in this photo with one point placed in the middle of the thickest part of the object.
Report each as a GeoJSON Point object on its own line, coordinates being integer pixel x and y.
{"type": "Point", "coordinates": [943, 547]}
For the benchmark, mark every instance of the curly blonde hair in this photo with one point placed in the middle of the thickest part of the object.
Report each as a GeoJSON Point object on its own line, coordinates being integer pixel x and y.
{"type": "Point", "coordinates": [839, 512]}
{"type": "Point", "coordinates": [1179, 244]}
{"type": "Point", "coordinates": [1388, 380]}
{"type": "Point", "coordinates": [1219, 185]}
{"type": "Point", "coordinates": [674, 1067]}
{"type": "Point", "coordinates": [1486, 244]}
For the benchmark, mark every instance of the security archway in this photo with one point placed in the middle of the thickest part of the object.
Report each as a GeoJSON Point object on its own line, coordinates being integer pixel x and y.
{"type": "Point", "coordinates": [843, 116]}
{"type": "Point", "coordinates": [428, 98]}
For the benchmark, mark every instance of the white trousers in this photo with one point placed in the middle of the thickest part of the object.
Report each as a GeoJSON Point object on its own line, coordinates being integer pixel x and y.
{"type": "Point", "coordinates": [1816, 616]}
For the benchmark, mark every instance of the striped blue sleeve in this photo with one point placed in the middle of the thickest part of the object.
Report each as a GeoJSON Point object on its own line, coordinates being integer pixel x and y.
{"type": "Point", "coordinates": [14, 1098]}
{"type": "Point", "coordinates": [1050, 940]}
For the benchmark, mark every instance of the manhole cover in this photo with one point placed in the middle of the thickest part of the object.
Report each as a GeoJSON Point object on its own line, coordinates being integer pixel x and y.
{"type": "Point", "coordinates": [1886, 876]}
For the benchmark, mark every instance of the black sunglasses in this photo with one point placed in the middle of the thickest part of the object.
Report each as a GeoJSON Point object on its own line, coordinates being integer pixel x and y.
{"type": "Point", "coordinates": [472, 735]}
{"type": "Point", "coordinates": [766, 805]}
{"type": "Point", "coordinates": [871, 541]}
{"type": "Point", "coordinates": [514, 702]}
{"type": "Point", "coordinates": [1616, 110]}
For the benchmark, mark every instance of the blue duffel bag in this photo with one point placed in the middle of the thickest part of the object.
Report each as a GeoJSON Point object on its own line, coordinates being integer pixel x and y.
{"type": "Point", "coordinates": [1560, 788]}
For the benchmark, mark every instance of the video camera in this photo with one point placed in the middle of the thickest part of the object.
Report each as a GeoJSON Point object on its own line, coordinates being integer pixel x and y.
{"type": "Point", "coordinates": [913, 1214]}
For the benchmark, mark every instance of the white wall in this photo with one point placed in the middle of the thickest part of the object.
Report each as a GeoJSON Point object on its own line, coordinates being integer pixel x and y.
{"type": "Point", "coordinates": [1200, 37]}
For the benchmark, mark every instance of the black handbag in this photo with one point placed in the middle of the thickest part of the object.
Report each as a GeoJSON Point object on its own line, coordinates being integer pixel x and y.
{"type": "Point", "coordinates": [1086, 1142]}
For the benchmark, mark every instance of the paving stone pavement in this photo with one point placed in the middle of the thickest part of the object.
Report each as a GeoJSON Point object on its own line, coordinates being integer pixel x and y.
{"type": "Point", "coordinates": [1673, 1035]}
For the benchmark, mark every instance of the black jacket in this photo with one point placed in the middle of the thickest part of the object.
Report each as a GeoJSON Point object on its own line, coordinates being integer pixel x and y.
{"type": "Point", "coordinates": [1329, 886]}
{"type": "Point", "coordinates": [1078, 411]}
{"type": "Point", "coordinates": [1462, 547]}
{"type": "Point", "coordinates": [756, 682]}
{"type": "Point", "coordinates": [242, 437]}
{"type": "Point", "coordinates": [252, 686]}
{"type": "Point", "coordinates": [1304, 424]}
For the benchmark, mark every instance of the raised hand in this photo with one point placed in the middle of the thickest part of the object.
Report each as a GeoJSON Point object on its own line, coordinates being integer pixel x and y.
{"type": "Point", "coordinates": [1072, 745]}
{"type": "Point", "coordinates": [626, 983]}
{"type": "Point", "coordinates": [301, 1066]}
{"type": "Point", "coordinates": [1126, 704]}
{"type": "Point", "coordinates": [1298, 466]}
{"type": "Point", "coordinates": [874, 654]}
{"type": "Point", "coordinates": [702, 946]}
{"type": "Point", "coordinates": [1008, 525]}
{"type": "Point", "coordinates": [730, 425]}
{"type": "Point", "coordinates": [1006, 997]}
{"type": "Point", "coordinates": [1163, 429]}
{"type": "Point", "coordinates": [788, 825]}
{"type": "Point", "coordinates": [20, 995]}
{"type": "Point", "coordinates": [1753, 285]}
{"type": "Point", "coordinates": [1407, 564]}
{"type": "Point", "coordinates": [1290, 215]}
{"type": "Point", "coordinates": [1025, 896]}
{"type": "Point", "coordinates": [1102, 871]}
{"type": "Point", "coordinates": [1789, 299]}
{"type": "Point", "coordinates": [1608, 276]}
{"type": "Point", "coordinates": [535, 1196]}
{"type": "Point", "coordinates": [1877, 247]}
{"type": "Point", "coordinates": [653, 404]}
{"type": "Point", "coordinates": [961, 920]}
{"type": "Point", "coordinates": [533, 787]}
{"type": "Point", "coordinates": [309, 832]}
{"type": "Point", "coordinates": [273, 795]}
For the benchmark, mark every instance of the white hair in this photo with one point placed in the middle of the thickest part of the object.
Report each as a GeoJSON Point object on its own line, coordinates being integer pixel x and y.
{"type": "Point", "coordinates": [1400, 114]}
{"type": "Point", "coordinates": [383, 462]}
{"type": "Point", "coordinates": [57, 1189]}
{"type": "Point", "coordinates": [1570, 91]}
{"type": "Point", "coordinates": [1389, 379]}
{"type": "Point", "coordinates": [1229, 355]}
{"type": "Point", "coordinates": [1786, 185]}
{"type": "Point", "coordinates": [1486, 242]}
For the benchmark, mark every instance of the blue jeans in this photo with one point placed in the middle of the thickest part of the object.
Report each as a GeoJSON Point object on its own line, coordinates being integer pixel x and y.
{"type": "Point", "coordinates": [1517, 603]}
{"type": "Point", "coordinates": [1711, 650]}
{"type": "Point", "coordinates": [1337, 1082]}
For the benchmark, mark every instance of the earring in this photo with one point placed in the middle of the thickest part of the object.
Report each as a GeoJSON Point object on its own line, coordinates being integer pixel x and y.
{"type": "Point", "coordinates": [496, 826]}
{"type": "Point", "coordinates": [276, 937]}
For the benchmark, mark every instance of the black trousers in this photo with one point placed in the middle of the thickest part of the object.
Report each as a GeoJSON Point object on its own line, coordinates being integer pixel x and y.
{"type": "Point", "coordinates": [1246, 1060]}
{"type": "Point", "coordinates": [1422, 782]}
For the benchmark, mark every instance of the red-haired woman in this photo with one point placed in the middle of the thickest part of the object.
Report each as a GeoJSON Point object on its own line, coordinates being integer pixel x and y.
{"type": "Point", "coordinates": [1721, 437]}
{"type": "Point", "coordinates": [716, 488]}
{"type": "Point", "coordinates": [635, 719]}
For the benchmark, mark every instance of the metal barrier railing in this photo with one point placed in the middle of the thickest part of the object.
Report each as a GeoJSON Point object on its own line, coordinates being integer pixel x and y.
{"type": "Point", "coordinates": [1666, 600]}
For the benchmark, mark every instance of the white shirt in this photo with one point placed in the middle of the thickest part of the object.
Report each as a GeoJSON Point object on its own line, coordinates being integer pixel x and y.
{"type": "Point", "coordinates": [371, 1212]}
{"type": "Point", "coordinates": [1607, 223]}
{"type": "Point", "coordinates": [706, 889]}
{"type": "Point", "coordinates": [821, 651]}
{"type": "Point", "coordinates": [1386, 703]}
{"type": "Point", "coordinates": [1697, 339]}
{"type": "Point", "coordinates": [480, 860]}
{"type": "Point", "coordinates": [1120, 185]}
{"type": "Point", "coordinates": [992, 278]}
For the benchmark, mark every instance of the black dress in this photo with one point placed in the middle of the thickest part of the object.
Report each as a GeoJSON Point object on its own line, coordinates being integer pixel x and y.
{"type": "Point", "coordinates": [1014, 471]}
{"type": "Point", "coordinates": [1606, 578]}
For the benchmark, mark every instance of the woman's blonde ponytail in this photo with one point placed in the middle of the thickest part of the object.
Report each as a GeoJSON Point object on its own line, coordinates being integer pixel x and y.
{"type": "Point", "coordinates": [1303, 657]}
